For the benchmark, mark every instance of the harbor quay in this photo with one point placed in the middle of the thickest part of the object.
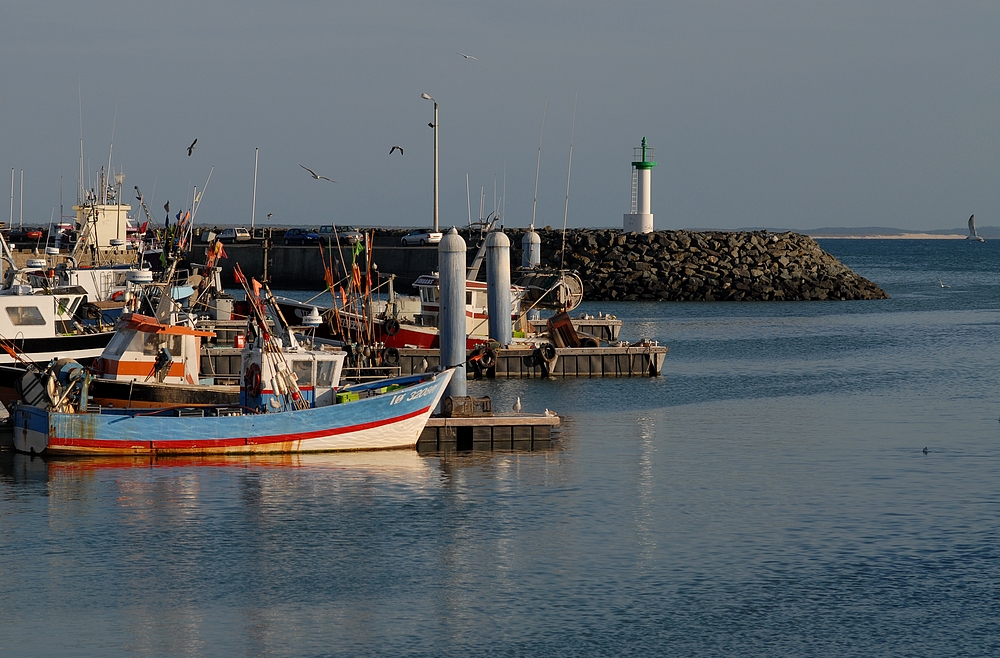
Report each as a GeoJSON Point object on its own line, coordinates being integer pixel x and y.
{"type": "Point", "coordinates": [614, 265]}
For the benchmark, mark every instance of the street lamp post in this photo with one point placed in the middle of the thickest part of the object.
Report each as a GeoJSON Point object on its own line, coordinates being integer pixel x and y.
{"type": "Point", "coordinates": [435, 127]}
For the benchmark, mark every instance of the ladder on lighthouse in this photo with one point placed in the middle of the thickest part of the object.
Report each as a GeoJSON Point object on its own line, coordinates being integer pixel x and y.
{"type": "Point", "coordinates": [635, 190]}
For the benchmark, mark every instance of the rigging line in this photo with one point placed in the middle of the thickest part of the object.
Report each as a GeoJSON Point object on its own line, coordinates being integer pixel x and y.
{"type": "Point", "coordinates": [538, 163]}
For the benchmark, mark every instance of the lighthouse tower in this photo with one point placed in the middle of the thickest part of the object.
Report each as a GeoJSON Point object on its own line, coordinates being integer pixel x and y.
{"type": "Point", "coordinates": [640, 220]}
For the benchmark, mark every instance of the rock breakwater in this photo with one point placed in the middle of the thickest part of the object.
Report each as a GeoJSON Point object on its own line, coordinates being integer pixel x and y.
{"type": "Point", "coordinates": [700, 266]}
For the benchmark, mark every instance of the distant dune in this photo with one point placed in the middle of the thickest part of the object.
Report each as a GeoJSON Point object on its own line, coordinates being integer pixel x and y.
{"type": "Point", "coordinates": [884, 233]}
{"type": "Point", "coordinates": [894, 236]}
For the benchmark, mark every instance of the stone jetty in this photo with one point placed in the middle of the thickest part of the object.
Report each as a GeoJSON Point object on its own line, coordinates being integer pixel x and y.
{"type": "Point", "coordinates": [701, 266]}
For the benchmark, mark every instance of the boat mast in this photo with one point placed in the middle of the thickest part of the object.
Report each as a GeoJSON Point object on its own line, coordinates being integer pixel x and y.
{"type": "Point", "coordinates": [569, 170]}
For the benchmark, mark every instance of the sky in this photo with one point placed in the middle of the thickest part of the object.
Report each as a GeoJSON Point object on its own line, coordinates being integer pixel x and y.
{"type": "Point", "coordinates": [772, 113]}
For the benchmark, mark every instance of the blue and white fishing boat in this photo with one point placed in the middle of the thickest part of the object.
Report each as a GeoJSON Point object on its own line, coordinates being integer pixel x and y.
{"type": "Point", "coordinates": [392, 419]}
{"type": "Point", "coordinates": [290, 401]}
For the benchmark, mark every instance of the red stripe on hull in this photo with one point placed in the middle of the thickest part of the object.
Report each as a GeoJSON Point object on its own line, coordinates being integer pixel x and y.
{"type": "Point", "coordinates": [200, 444]}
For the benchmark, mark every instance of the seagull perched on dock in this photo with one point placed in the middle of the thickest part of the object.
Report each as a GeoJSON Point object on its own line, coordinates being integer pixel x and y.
{"type": "Point", "coordinates": [317, 176]}
{"type": "Point", "coordinates": [191, 148]}
{"type": "Point", "coordinates": [396, 148]}
{"type": "Point", "coordinates": [517, 405]}
{"type": "Point", "coordinates": [467, 56]}
{"type": "Point", "coordinates": [423, 364]}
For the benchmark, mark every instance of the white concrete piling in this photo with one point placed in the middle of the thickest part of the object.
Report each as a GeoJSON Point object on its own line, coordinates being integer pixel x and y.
{"type": "Point", "coordinates": [498, 287]}
{"type": "Point", "coordinates": [451, 319]}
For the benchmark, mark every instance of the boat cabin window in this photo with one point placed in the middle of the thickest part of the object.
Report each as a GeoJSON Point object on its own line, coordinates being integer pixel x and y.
{"type": "Point", "coordinates": [429, 295]}
{"type": "Point", "coordinates": [119, 343]}
{"type": "Point", "coordinates": [468, 298]}
{"type": "Point", "coordinates": [151, 344]}
{"type": "Point", "coordinates": [325, 371]}
{"type": "Point", "coordinates": [67, 305]}
{"type": "Point", "coordinates": [22, 316]}
{"type": "Point", "coordinates": [302, 369]}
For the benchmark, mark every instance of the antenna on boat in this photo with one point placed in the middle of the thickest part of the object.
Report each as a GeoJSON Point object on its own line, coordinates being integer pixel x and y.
{"type": "Point", "coordinates": [468, 199]}
{"type": "Point", "coordinates": [111, 150]}
{"type": "Point", "coordinates": [83, 186]}
{"type": "Point", "coordinates": [253, 208]}
{"type": "Point", "coordinates": [569, 170]}
{"type": "Point", "coordinates": [538, 164]}
{"type": "Point", "coordinates": [503, 195]}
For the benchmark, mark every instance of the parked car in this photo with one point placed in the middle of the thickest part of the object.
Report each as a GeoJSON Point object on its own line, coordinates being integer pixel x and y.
{"type": "Point", "coordinates": [345, 234]}
{"type": "Point", "coordinates": [301, 236]}
{"type": "Point", "coordinates": [421, 236]}
{"type": "Point", "coordinates": [23, 235]}
{"type": "Point", "coordinates": [235, 235]}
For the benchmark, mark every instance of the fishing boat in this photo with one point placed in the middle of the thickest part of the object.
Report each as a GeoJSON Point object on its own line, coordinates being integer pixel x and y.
{"type": "Point", "coordinates": [290, 402]}
{"type": "Point", "coordinates": [392, 417]}
{"type": "Point", "coordinates": [155, 364]}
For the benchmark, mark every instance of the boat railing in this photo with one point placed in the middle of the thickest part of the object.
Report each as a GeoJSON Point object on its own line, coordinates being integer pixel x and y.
{"type": "Point", "coordinates": [363, 374]}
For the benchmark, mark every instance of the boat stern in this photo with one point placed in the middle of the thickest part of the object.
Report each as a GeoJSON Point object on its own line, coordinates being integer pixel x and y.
{"type": "Point", "coordinates": [31, 429]}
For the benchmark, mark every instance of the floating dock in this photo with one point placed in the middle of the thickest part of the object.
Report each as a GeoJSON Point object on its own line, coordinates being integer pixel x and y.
{"type": "Point", "coordinates": [625, 361]}
{"type": "Point", "coordinates": [521, 432]}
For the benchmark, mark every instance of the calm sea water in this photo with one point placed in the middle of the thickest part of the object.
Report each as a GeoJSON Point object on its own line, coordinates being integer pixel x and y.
{"type": "Point", "coordinates": [770, 495]}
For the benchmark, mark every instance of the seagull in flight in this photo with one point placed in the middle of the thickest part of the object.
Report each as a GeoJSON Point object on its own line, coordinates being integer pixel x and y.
{"type": "Point", "coordinates": [943, 285]}
{"type": "Point", "coordinates": [191, 148]}
{"type": "Point", "coordinates": [467, 56]}
{"type": "Point", "coordinates": [396, 148]}
{"type": "Point", "coordinates": [317, 176]}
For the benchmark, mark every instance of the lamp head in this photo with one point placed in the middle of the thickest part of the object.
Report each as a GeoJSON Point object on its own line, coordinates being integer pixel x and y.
{"type": "Point", "coordinates": [426, 97]}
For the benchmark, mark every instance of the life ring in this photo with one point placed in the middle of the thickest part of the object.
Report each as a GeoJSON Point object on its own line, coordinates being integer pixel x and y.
{"type": "Point", "coordinates": [252, 380]}
{"type": "Point", "coordinates": [488, 359]}
{"type": "Point", "coordinates": [390, 356]}
{"type": "Point", "coordinates": [390, 326]}
{"type": "Point", "coordinates": [548, 351]}
{"type": "Point", "coordinates": [118, 296]}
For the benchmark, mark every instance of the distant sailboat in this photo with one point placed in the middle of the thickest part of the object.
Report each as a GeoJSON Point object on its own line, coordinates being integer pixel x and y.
{"type": "Point", "coordinates": [972, 230]}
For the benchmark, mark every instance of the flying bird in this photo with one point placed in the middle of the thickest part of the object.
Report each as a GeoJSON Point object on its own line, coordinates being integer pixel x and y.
{"type": "Point", "coordinates": [317, 176]}
{"type": "Point", "coordinates": [191, 148]}
{"type": "Point", "coordinates": [943, 284]}
{"type": "Point", "coordinates": [517, 405]}
{"type": "Point", "coordinates": [466, 56]}
{"type": "Point", "coordinates": [396, 148]}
